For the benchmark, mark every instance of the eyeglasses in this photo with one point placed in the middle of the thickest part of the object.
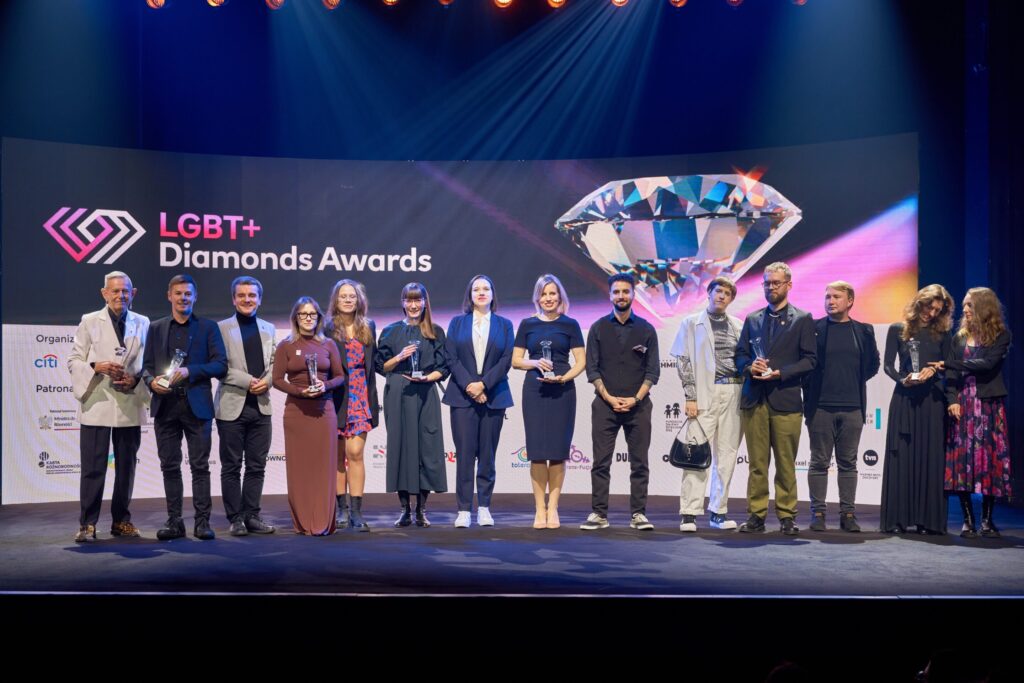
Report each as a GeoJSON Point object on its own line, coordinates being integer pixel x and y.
{"type": "Point", "coordinates": [774, 284]}
{"type": "Point", "coordinates": [308, 316]}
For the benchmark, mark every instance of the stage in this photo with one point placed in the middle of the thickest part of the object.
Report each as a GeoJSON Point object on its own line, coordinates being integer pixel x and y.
{"type": "Point", "coordinates": [509, 559]}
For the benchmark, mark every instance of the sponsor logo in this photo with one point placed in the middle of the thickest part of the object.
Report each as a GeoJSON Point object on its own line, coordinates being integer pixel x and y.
{"type": "Point", "coordinates": [45, 422]}
{"type": "Point", "coordinates": [51, 465]}
{"type": "Point", "coordinates": [521, 459]}
{"type": "Point", "coordinates": [449, 456]}
{"type": "Point", "coordinates": [47, 361]}
{"type": "Point", "coordinates": [577, 461]}
{"type": "Point", "coordinates": [276, 457]}
{"type": "Point", "coordinates": [59, 420]}
{"type": "Point", "coordinates": [111, 464]}
{"type": "Point", "coordinates": [53, 389]}
{"type": "Point", "coordinates": [378, 452]}
{"type": "Point", "coordinates": [50, 339]}
{"type": "Point", "coordinates": [101, 237]}
{"type": "Point", "coordinates": [622, 457]}
{"type": "Point", "coordinates": [668, 362]}
{"type": "Point", "coordinates": [870, 458]}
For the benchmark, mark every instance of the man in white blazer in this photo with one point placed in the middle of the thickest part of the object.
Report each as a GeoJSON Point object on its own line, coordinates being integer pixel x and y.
{"type": "Point", "coordinates": [243, 408]}
{"type": "Point", "coordinates": [105, 365]}
{"type": "Point", "coordinates": [705, 351]}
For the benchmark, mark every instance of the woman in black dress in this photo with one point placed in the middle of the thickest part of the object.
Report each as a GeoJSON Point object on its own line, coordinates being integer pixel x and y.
{"type": "Point", "coordinates": [549, 403]}
{"type": "Point", "coordinates": [412, 407]}
{"type": "Point", "coordinates": [912, 478]}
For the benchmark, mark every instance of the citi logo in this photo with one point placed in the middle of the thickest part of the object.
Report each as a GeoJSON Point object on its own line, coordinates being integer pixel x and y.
{"type": "Point", "coordinates": [47, 361]}
{"type": "Point", "coordinates": [101, 237]}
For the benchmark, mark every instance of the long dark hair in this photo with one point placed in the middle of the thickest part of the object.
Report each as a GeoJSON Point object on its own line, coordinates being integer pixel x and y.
{"type": "Point", "coordinates": [415, 290]}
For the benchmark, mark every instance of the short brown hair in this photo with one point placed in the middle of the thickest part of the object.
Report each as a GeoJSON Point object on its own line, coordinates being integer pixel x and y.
{"type": "Point", "coordinates": [182, 279]}
{"type": "Point", "coordinates": [842, 286]}
{"type": "Point", "coordinates": [724, 283]}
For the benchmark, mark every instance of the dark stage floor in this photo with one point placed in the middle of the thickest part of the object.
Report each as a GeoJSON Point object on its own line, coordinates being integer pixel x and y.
{"type": "Point", "coordinates": [508, 559]}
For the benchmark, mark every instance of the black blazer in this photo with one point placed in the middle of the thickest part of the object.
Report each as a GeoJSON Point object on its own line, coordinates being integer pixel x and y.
{"type": "Point", "coordinates": [870, 362]}
{"type": "Point", "coordinates": [206, 359]}
{"type": "Point", "coordinates": [458, 347]}
{"type": "Point", "coordinates": [341, 395]}
{"type": "Point", "coordinates": [793, 353]}
{"type": "Point", "coordinates": [986, 366]}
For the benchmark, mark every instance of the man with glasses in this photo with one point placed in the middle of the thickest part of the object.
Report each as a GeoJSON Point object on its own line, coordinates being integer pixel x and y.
{"type": "Point", "coordinates": [183, 353]}
{"type": "Point", "coordinates": [776, 349]}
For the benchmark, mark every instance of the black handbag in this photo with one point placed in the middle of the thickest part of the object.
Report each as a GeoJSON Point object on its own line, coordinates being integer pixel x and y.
{"type": "Point", "coordinates": [690, 452]}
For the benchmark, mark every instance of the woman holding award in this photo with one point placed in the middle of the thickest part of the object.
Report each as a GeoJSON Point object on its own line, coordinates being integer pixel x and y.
{"type": "Point", "coordinates": [410, 354]}
{"type": "Point", "coordinates": [307, 367]}
{"type": "Point", "coordinates": [479, 351]}
{"type": "Point", "coordinates": [542, 347]}
{"type": "Point", "coordinates": [912, 478]}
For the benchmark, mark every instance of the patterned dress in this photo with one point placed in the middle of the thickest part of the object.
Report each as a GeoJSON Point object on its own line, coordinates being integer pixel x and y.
{"type": "Point", "coordinates": [977, 450]}
{"type": "Point", "coordinates": [358, 420]}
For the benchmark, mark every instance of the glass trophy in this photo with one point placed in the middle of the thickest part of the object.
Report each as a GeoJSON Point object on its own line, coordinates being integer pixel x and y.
{"type": "Point", "coordinates": [914, 348]}
{"type": "Point", "coordinates": [311, 369]}
{"type": "Point", "coordinates": [119, 357]}
{"type": "Point", "coordinates": [179, 358]}
{"type": "Point", "coordinates": [545, 349]}
{"type": "Point", "coordinates": [758, 346]}
{"type": "Point", "coordinates": [414, 361]}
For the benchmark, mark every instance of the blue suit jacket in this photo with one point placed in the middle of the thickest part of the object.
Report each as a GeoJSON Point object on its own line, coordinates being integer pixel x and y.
{"type": "Point", "coordinates": [793, 353]}
{"type": "Point", "coordinates": [206, 359]}
{"type": "Point", "coordinates": [462, 362]}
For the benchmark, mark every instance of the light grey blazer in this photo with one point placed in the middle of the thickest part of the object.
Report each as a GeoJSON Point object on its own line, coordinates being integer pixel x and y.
{"type": "Point", "coordinates": [232, 389]}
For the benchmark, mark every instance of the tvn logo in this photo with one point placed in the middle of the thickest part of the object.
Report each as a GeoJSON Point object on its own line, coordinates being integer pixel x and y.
{"type": "Point", "coordinates": [102, 237]}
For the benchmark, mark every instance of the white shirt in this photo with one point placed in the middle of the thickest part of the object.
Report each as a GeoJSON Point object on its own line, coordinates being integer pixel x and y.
{"type": "Point", "coordinates": [481, 331]}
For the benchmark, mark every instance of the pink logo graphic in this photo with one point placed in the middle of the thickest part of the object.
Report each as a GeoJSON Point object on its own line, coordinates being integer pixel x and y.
{"type": "Point", "coordinates": [117, 231]}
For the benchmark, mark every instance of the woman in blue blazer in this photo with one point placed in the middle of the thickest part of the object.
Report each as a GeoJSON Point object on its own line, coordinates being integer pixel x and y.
{"type": "Point", "coordinates": [479, 351]}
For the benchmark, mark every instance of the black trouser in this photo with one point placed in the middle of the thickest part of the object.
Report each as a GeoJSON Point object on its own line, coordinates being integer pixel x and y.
{"type": "Point", "coordinates": [834, 429]}
{"type": "Point", "coordinates": [244, 439]}
{"type": "Point", "coordinates": [605, 425]}
{"type": "Point", "coordinates": [175, 421]}
{"type": "Point", "coordinates": [95, 448]}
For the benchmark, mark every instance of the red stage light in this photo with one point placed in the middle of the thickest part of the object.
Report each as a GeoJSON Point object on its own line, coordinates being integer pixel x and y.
{"type": "Point", "coordinates": [446, 2]}
{"type": "Point", "coordinates": [556, 3]}
{"type": "Point", "coordinates": [734, 3]}
{"type": "Point", "coordinates": [216, 3]}
{"type": "Point", "coordinates": [332, 4]}
{"type": "Point", "coordinates": [502, 3]}
{"type": "Point", "coordinates": [677, 3]}
{"type": "Point", "coordinates": [619, 3]}
{"type": "Point", "coordinates": [155, 4]}
{"type": "Point", "coordinates": [389, 3]}
{"type": "Point", "coordinates": [801, 3]}
{"type": "Point", "coordinates": [275, 4]}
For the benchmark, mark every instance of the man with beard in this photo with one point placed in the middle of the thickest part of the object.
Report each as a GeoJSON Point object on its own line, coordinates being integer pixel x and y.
{"type": "Point", "coordinates": [622, 364]}
{"type": "Point", "coordinates": [776, 349]}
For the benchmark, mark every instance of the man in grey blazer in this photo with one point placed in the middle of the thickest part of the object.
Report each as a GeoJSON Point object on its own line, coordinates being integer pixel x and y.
{"type": "Point", "coordinates": [105, 365]}
{"type": "Point", "coordinates": [243, 408]}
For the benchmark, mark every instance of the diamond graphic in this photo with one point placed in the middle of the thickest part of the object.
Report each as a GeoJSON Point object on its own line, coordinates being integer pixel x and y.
{"type": "Point", "coordinates": [677, 233]}
{"type": "Point", "coordinates": [118, 229]}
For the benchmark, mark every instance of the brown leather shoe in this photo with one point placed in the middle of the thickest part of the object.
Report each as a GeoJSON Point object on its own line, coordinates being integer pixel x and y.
{"type": "Point", "coordinates": [86, 534]}
{"type": "Point", "coordinates": [126, 529]}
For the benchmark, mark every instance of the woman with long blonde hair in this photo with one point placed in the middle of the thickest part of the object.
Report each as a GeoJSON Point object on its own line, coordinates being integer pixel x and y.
{"type": "Point", "coordinates": [912, 476]}
{"type": "Point", "coordinates": [356, 405]}
{"type": "Point", "coordinates": [977, 449]}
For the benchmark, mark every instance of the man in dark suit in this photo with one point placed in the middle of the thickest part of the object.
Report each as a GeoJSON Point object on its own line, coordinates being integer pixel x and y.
{"type": "Point", "coordinates": [183, 401]}
{"type": "Point", "coordinates": [835, 402]}
{"type": "Point", "coordinates": [771, 404]}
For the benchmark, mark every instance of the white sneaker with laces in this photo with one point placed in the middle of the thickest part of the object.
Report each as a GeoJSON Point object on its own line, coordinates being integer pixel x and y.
{"type": "Point", "coordinates": [640, 521]}
{"type": "Point", "coordinates": [463, 519]}
{"type": "Point", "coordinates": [595, 521]}
{"type": "Point", "coordinates": [483, 517]}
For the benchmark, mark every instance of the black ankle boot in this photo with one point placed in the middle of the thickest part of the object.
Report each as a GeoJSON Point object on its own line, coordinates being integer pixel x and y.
{"type": "Point", "coordinates": [968, 530]}
{"type": "Point", "coordinates": [341, 515]}
{"type": "Point", "coordinates": [988, 527]}
{"type": "Point", "coordinates": [406, 518]}
{"type": "Point", "coordinates": [421, 509]}
{"type": "Point", "coordinates": [356, 520]}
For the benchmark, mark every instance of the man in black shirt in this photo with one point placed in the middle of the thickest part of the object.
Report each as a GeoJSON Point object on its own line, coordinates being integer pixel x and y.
{"type": "Point", "coordinates": [622, 364]}
{"type": "Point", "coordinates": [835, 402]}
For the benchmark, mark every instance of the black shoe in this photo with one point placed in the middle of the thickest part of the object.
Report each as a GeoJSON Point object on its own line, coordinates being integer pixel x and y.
{"type": "Point", "coordinates": [818, 522]}
{"type": "Point", "coordinates": [256, 525]}
{"type": "Point", "coordinates": [173, 528]}
{"type": "Point", "coordinates": [202, 530]}
{"type": "Point", "coordinates": [238, 528]}
{"type": "Point", "coordinates": [968, 530]}
{"type": "Point", "coordinates": [754, 525]}
{"type": "Point", "coordinates": [988, 527]}
{"type": "Point", "coordinates": [406, 518]}
{"type": "Point", "coordinates": [341, 517]}
{"type": "Point", "coordinates": [788, 527]}
{"type": "Point", "coordinates": [848, 522]}
{"type": "Point", "coordinates": [421, 518]}
{"type": "Point", "coordinates": [356, 520]}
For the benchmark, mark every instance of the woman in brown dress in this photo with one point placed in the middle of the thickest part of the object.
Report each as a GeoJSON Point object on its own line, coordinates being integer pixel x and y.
{"type": "Point", "coordinates": [310, 422]}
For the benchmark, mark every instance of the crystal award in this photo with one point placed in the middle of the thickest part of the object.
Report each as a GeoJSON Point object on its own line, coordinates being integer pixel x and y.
{"type": "Point", "coordinates": [914, 348]}
{"type": "Point", "coordinates": [758, 346]}
{"type": "Point", "coordinates": [545, 349]}
{"type": "Point", "coordinates": [179, 358]}
{"type": "Point", "coordinates": [414, 361]}
{"type": "Point", "coordinates": [311, 368]}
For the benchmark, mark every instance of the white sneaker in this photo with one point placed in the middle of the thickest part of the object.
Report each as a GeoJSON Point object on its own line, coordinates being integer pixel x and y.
{"type": "Point", "coordinates": [640, 521]}
{"type": "Point", "coordinates": [483, 517]}
{"type": "Point", "coordinates": [463, 519]}
{"type": "Point", "coordinates": [721, 522]}
{"type": "Point", "coordinates": [594, 521]}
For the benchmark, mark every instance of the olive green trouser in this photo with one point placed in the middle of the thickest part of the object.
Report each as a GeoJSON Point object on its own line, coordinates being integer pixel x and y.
{"type": "Point", "coordinates": [767, 430]}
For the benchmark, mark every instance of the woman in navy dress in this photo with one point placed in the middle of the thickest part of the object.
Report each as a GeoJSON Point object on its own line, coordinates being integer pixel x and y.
{"type": "Point", "coordinates": [412, 409]}
{"type": "Point", "coordinates": [357, 408]}
{"type": "Point", "coordinates": [912, 476]}
{"type": "Point", "coordinates": [549, 403]}
{"type": "Point", "coordinates": [977, 448]}
{"type": "Point", "coordinates": [479, 351]}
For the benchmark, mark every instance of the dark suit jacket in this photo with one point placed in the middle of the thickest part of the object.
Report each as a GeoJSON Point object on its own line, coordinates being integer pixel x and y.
{"type": "Point", "coordinates": [986, 366]}
{"type": "Point", "coordinates": [793, 353]}
{"type": "Point", "coordinates": [864, 338]}
{"type": "Point", "coordinates": [462, 362]}
{"type": "Point", "coordinates": [206, 359]}
{"type": "Point", "coordinates": [341, 395]}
